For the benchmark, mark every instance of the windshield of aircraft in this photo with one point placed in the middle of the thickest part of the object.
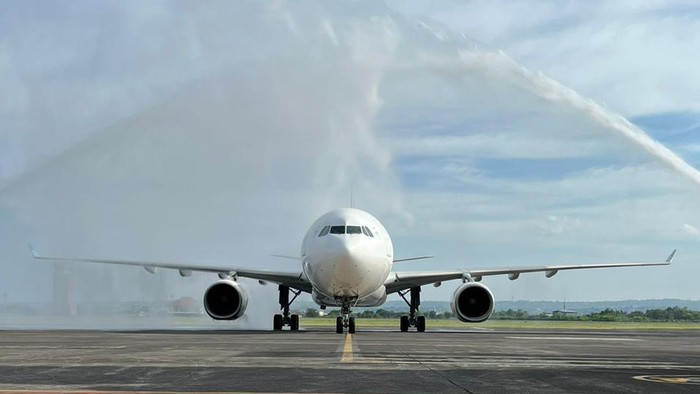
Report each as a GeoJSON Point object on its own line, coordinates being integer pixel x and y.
{"type": "Point", "coordinates": [345, 230]}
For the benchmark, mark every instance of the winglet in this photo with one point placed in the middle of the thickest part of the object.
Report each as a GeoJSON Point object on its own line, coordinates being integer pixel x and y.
{"type": "Point", "coordinates": [670, 257]}
{"type": "Point", "coordinates": [31, 248]}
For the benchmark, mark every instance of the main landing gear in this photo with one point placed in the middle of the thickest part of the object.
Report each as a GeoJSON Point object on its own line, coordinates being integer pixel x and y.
{"type": "Point", "coordinates": [285, 319]}
{"type": "Point", "coordinates": [345, 320]}
{"type": "Point", "coordinates": [412, 320]}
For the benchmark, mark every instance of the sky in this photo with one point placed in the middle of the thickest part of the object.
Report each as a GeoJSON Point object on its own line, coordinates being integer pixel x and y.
{"type": "Point", "coordinates": [217, 132]}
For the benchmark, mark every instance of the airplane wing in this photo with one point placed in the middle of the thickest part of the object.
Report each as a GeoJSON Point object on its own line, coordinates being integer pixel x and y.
{"type": "Point", "coordinates": [399, 281]}
{"type": "Point", "coordinates": [296, 280]}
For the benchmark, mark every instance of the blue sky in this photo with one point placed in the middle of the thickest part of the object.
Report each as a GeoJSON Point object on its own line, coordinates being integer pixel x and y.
{"type": "Point", "coordinates": [166, 130]}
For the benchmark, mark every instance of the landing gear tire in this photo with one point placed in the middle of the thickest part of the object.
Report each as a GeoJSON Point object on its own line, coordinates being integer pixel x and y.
{"type": "Point", "coordinates": [404, 323]}
{"type": "Point", "coordinates": [294, 323]}
{"type": "Point", "coordinates": [420, 324]}
{"type": "Point", "coordinates": [339, 324]}
{"type": "Point", "coordinates": [412, 320]}
{"type": "Point", "coordinates": [277, 323]}
{"type": "Point", "coordinates": [351, 325]}
{"type": "Point", "coordinates": [286, 319]}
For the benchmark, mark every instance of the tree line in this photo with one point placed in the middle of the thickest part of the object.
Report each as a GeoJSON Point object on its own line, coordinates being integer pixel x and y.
{"type": "Point", "coordinates": [651, 315]}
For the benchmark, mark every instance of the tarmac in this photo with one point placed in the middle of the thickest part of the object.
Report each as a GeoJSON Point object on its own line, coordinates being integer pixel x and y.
{"type": "Point", "coordinates": [472, 361]}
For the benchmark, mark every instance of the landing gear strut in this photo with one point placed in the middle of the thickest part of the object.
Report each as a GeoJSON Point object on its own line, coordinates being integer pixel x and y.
{"type": "Point", "coordinates": [412, 320]}
{"type": "Point", "coordinates": [345, 320]}
{"type": "Point", "coordinates": [285, 319]}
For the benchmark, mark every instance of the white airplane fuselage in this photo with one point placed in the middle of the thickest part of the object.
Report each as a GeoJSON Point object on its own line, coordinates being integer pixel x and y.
{"type": "Point", "coordinates": [347, 256]}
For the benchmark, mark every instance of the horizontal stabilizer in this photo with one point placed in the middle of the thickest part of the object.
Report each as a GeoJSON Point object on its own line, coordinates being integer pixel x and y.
{"type": "Point", "coordinates": [413, 258]}
{"type": "Point", "coordinates": [284, 256]}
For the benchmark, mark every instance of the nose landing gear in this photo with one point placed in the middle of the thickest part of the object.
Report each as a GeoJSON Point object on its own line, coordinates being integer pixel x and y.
{"type": "Point", "coordinates": [286, 319]}
{"type": "Point", "coordinates": [345, 320]}
{"type": "Point", "coordinates": [342, 322]}
{"type": "Point", "coordinates": [412, 320]}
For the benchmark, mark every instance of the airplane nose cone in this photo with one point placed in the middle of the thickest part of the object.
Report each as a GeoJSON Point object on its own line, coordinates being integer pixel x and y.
{"type": "Point", "coordinates": [345, 252]}
{"type": "Point", "coordinates": [346, 261]}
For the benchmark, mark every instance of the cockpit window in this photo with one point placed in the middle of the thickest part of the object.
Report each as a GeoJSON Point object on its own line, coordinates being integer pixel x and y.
{"type": "Point", "coordinates": [337, 229]}
{"type": "Point", "coordinates": [354, 230]}
{"type": "Point", "coordinates": [345, 230]}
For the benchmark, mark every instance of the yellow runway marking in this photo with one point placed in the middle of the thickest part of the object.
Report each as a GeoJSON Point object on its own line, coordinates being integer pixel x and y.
{"type": "Point", "coordinates": [347, 350]}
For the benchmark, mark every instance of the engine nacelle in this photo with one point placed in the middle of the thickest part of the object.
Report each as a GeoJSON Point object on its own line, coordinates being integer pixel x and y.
{"type": "Point", "coordinates": [225, 300]}
{"type": "Point", "coordinates": [472, 302]}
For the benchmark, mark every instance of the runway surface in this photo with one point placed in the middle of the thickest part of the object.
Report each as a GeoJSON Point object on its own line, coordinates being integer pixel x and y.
{"type": "Point", "coordinates": [322, 361]}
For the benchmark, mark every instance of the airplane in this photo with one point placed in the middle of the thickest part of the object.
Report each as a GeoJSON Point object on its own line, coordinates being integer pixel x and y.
{"type": "Point", "coordinates": [346, 261]}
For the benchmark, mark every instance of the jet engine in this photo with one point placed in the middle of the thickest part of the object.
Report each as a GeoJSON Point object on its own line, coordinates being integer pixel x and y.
{"type": "Point", "coordinates": [472, 302]}
{"type": "Point", "coordinates": [225, 300]}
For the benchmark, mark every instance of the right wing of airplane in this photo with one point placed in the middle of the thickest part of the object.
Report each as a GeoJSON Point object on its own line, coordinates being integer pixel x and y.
{"type": "Point", "coordinates": [399, 281]}
{"type": "Point", "coordinates": [296, 280]}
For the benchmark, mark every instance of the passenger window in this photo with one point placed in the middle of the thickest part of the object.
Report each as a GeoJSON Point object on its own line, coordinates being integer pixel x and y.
{"type": "Point", "coordinates": [337, 229]}
{"type": "Point", "coordinates": [354, 230]}
{"type": "Point", "coordinates": [368, 232]}
{"type": "Point", "coordinates": [324, 231]}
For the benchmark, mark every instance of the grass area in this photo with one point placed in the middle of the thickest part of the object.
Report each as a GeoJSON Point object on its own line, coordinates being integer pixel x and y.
{"type": "Point", "coordinates": [313, 322]}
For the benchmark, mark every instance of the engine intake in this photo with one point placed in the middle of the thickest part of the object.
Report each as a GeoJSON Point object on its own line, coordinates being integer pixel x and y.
{"type": "Point", "coordinates": [472, 302]}
{"type": "Point", "coordinates": [225, 300]}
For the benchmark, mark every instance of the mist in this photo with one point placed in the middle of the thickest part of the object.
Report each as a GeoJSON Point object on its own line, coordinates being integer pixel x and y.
{"type": "Point", "coordinates": [229, 169]}
{"type": "Point", "coordinates": [215, 133]}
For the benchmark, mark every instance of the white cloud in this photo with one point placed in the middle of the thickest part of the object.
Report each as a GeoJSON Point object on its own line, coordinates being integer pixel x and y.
{"type": "Point", "coordinates": [692, 148]}
{"type": "Point", "coordinates": [636, 58]}
{"type": "Point", "coordinates": [691, 230]}
{"type": "Point", "coordinates": [518, 145]}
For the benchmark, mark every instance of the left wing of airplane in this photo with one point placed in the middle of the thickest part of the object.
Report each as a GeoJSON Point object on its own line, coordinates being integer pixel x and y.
{"type": "Point", "coordinates": [295, 280]}
{"type": "Point", "coordinates": [399, 281]}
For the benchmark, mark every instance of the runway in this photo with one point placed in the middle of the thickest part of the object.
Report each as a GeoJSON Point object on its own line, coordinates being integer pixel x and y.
{"type": "Point", "coordinates": [322, 361]}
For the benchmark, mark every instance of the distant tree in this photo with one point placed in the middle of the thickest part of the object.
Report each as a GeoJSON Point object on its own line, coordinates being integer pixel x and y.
{"type": "Point", "coordinates": [367, 314]}
{"type": "Point", "coordinates": [656, 314]}
{"type": "Point", "coordinates": [637, 316]}
{"type": "Point", "coordinates": [381, 313]}
{"type": "Point", "coordinates": [311, 313]}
